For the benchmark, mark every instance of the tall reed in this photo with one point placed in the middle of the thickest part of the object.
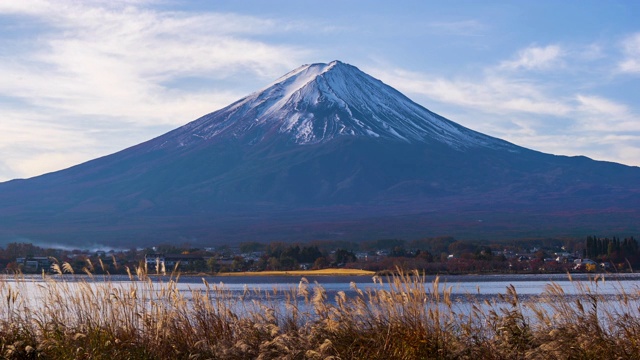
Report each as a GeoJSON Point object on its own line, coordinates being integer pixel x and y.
{"type": "Point", "coordinates": [68, 316]}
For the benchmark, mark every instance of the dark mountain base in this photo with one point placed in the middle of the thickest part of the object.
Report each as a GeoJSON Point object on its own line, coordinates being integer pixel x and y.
{"type": "Point", "coordinates": [339, 223]}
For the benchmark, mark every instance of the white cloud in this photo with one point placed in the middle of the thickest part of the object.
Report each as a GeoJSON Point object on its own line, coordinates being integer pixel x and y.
{"type": "Point", "coordinates": [31, 145]}
{"type": "Point", "coordinates": [556, 116]}
{"type": "Point", "coordinates": [91, 69]}
{"type": "Point", "coordinates": [100, 57]}
{"type": "Point", "coordinates": [535, 58]}
{"type": "Point", "coordinates": [601, 106]}
{"type": "Point", "coordinates": [631, 48]}
{"type": "Point", "coordinates": [595, 113]}
{"type": "Point", "coordinates": [492, 94]}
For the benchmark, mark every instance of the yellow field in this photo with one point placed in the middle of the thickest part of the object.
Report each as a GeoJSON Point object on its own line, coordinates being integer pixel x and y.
{"type": "Point", "coordinates": [328, 272]}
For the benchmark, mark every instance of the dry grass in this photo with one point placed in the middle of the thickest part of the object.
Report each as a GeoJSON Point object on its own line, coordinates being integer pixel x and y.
{"type": "Point", "coordinates": [401, 317]}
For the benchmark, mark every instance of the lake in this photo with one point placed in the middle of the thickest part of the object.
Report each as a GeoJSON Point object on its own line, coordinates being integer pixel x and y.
{"type": "Point", "coordinates": [462, 287]}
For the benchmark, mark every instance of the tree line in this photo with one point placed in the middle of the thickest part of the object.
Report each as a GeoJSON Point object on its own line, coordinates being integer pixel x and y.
{"type": "Point", "coordinates": [435, 254]}
{"type": "Point", "coordinates": [612, 249]}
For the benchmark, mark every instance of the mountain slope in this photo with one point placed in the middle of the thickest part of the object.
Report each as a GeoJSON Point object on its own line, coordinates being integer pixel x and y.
{"type": "Point", "coordinates": [320, 102]}
{"type": "Point", "coordinates": [324, 151]}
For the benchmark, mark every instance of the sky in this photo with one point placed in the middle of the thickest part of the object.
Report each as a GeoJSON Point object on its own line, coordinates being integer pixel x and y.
{"type": "Point", "coordinates": [84, 79]}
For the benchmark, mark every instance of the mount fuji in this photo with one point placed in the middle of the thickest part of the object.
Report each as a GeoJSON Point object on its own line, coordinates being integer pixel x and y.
{"type": "Point", "coordinates": [326, 151]}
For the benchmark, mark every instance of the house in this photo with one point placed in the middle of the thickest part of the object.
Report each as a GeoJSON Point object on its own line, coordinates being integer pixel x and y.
{"type": "Point", "coordinates": [581, 264]}
{"type": "Point", "coordinates": [159, 263]}
{"type": "Point", "coordinates": [34, 263]}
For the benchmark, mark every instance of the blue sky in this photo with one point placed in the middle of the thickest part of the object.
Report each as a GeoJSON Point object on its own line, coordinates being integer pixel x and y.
{"type": "Point", "coordinates": [83, 79]}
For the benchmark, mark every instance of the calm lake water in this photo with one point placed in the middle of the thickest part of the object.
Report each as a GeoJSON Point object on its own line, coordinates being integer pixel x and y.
{"type": "Point", "coordinates": [468, 292]}
{"type": "Point", "coordinates": [478, 287]}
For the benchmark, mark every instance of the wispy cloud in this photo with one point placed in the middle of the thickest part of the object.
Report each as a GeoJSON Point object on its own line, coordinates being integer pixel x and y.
{"type": "Point", "coordinates": [631, 49]}
{"type": "Point", "coordinates": [550, 116]}
{"type": "Point", "coordinates": [535, 58]}
{"type": "Point", "coordinates": [601, 107]}
{"type": "Point", "coordinates": [596, 113]}
{"type": "Point", "coordinates": [109, 66]}
{"type": "Point", "coordinates": [29, 143]}
{"type": "Point", "coordinates": [493, 94]}
{"type": "Point", "coordinates": [99, 57]}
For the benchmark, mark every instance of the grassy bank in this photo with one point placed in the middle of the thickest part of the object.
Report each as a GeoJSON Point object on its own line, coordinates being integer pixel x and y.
{"type": "Point", "coordinates": [405, 319]}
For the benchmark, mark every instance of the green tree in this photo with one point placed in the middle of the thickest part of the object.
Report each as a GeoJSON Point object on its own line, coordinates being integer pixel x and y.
{"type": "Point", "coordinates": [212, 264]}
{"type": "Point", "coordinates": [343, 256]}
{"type": "Point", "coordinates": [273, 263]}
{"type": "Point", "coordinates": [320, 263]}
{"type": "Point", "coordinates": [238, 263]}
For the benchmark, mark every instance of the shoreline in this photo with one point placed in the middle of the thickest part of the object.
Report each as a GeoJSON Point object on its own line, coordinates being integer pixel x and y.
{"type": "Point", "coordinates": [322, 272]}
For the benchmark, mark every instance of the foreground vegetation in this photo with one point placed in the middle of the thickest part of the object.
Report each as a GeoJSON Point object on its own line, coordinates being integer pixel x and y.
{"type": "Point", "coordinates": [400, 317]}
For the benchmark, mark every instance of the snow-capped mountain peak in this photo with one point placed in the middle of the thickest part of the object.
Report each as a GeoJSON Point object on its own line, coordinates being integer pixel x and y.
{"type": "Point", "coordinates": [316, 103]}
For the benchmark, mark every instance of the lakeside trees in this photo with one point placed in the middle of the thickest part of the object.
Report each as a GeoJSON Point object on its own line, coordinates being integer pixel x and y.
{"type": "Point", "coordinates": [431, 255]}
{"type": "Point", "coordinates": [596, 247]}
